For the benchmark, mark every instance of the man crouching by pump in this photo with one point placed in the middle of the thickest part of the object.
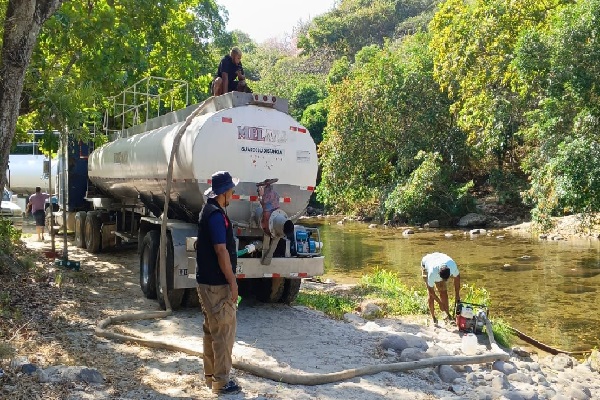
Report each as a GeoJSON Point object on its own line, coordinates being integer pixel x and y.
{"type": "Point", "coordinates": [436, 268]}
{"type": "Point", "coordinates": [216, 260]}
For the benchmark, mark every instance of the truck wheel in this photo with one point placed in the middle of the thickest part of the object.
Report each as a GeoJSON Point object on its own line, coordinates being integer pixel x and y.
{"type": "Point", "coordinates": [92, 234]}
{"type": "Point", "coordinates": [48, 220]}
{"type": "Point", "coordinates": [269, 290]}
{"type": "Point", "coordinates": [175, 295]}
{"type": "Point", "coordinates": [148, 263]}
{"type": "Point", "coordinates": [79, 229]}
{"type": "Point", "coordinates": [290, 290]}
{"type": "Point", "coordinates": [191, 299]}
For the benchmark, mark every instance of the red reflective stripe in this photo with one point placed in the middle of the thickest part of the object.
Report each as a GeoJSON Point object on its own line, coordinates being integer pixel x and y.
{"type": "Point", "coordinates": [287, 200]}
{"type": "Point", "coordinates": [253, 198]}
{"type": "Point", "coordinates": [227, 120]}
{"type": "Point", "coordinates": [302, 130]}
{"type": "Point", "coordinates": [293, 128]}
{"type": "Point", "coordinates": [276, 275]}
{"type": "Point", "coordinates": [311, 188]}
{"type": "Point", "coordinates": [302, 274]}
{"type": "Point", "coordinates": [209, 181]}
{"type": "Point", "coordinates": [239, 231]}
{"type": "Point", "coordinates": [240, 276]}
{"type": "Point", "coordinates": [235, 196]}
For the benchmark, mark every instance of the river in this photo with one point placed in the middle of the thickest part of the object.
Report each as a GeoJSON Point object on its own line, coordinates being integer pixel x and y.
{"type": "Point", "coordinates": [546, 289]}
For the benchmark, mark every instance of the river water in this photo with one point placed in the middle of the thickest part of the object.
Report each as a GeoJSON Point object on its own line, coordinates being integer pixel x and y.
{"type": "Point", "coordinates": [546, 289]}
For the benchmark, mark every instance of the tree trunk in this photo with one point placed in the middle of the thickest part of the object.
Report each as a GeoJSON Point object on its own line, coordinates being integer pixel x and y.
{"type": "Point", "coordinates": [22, 24]}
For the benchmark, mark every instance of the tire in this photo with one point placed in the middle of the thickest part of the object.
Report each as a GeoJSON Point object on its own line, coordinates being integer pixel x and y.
{"type": "Point", "coordinates": [191, 298]}
{"type": "Point", "coordinates": [148, 263]}
{"type": "Point", "coordinates": [92, 233]}
{"type": "Point", "coordinates": [269, 290]}
{"type": "Point", "coordinates": [48, 220]}
{"type": "Point", "coordinates": [175, 295]}
{"type": "Point", "coordinates": [290, 290]}
{"type": "Point", "coordinates": [80, 229]}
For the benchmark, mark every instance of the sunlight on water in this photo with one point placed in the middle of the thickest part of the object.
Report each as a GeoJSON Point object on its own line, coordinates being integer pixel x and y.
{"type": "Point", "coordinates": [546, 289]}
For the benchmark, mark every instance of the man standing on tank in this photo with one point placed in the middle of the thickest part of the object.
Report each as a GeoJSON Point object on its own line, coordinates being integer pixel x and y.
{"type": "Point", "coordinates": [217, 286]}
{"type": "Point", "coordinates": [37, 202]}
{"type": "Point", "coordinates": [230, 69]}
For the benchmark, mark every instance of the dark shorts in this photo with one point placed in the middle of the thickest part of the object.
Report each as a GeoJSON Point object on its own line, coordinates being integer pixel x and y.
{"type": "Point", "coordinates": [40, 218]}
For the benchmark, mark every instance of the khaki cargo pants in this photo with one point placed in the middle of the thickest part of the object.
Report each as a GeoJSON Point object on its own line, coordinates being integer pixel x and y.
{"type": "Point", "coordinates": [219, 332]}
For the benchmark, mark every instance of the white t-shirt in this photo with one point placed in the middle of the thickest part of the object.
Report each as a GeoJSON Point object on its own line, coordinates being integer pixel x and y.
{"type": "Point", "coordinates": [433, 262]}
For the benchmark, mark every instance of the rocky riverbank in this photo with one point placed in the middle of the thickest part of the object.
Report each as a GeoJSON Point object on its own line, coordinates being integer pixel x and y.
{"type": "Point", "coordinates": [57, 356]}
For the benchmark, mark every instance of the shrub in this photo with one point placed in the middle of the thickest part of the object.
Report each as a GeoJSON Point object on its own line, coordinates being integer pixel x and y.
{"type": "Point", "coordinates": [9, 235]}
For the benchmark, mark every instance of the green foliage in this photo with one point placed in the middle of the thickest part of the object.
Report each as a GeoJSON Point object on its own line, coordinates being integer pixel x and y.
{"type": "Point", "coordinates": [562, 125]}
{"type": "Point", "coordinates": [354, 24]}
{"type": "Point", "coordinates": [333, 305]}
{"type": "Point", "coordinates": [398, 298]}
{"type": "Point", "coordinates": [428, 193]}
{"type": "Point", "coordinates": [287, 74]}
{"type": "Point", "coordinates": [340, 69]}
{"type": "Point", "coordinates": [87, 52]}
{"type": "Point", "coordinates": [304, 95]}
{"type": "Point", "coordinates": [503, 334]}
{"type": "Point", "coordinates": [473, 44]}
{"type": "Point", "coordinates": [379, 119]}
{"type": "Point", "coordinates": [9, 235]}
{"type": "Point", "coordinates": [314, 118]}
{"type": "Point", "coordinates": [475, 295]}
{"type": "Point", "coordinates": [507, 185]}
{"type": "Point", "coordinates": [383, 286]}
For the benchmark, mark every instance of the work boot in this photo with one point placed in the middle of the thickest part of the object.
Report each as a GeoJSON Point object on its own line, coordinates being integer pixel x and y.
{"type": "Point", "coordinates": [230, 388]}
{"type": "Point", "coordinates": [208, 379]}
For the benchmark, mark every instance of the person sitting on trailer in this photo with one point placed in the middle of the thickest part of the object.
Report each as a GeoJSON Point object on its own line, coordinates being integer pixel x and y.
{"type": "Point", "coordinates": [230, 74]}
{"type": "Point", "coordinates": [37, 202]}
{"type": "Point", "coordinates": [216, 260]}
{"type": "Point", "coordinates": [436, 269]}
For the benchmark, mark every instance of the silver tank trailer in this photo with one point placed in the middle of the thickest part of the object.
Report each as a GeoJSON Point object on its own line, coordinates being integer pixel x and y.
{"type": "Point", "coordinates": [250, 135]}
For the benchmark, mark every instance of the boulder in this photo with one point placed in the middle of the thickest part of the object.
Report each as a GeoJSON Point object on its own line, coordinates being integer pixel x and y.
{"type": "Point", "coordinates": [62, 373]}
{"type": "Point", "coordinates": [447, 373]}
{"type": "Point", "coordinates": [472, 220]}
{"type": "Point", "coordinates": [403, 341]}
{"type": "Point", "coordinates": [368, 309]}
{"type": "Point", "coordinates": [594, 361]}
{"type": "Point", "coordinates": [504, 367]}
{"type": "Point", "coordinates": [520, 377]}
{"type": "Point", "coordinates": [413, 354]}
{"type": "Point", "coordinates": [434, 224]}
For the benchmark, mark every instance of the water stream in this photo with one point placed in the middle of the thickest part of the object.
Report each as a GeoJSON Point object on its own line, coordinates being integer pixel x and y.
{"type": "Point", "coordinates": [547, 289]}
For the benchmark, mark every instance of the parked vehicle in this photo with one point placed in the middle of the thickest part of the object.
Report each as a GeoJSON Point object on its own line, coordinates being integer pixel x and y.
{"type": "Point", "coordinates": [117, 194]}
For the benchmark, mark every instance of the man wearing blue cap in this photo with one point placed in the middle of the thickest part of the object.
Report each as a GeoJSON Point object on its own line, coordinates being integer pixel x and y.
{"type": "Point", "coordinates": [216, 260]}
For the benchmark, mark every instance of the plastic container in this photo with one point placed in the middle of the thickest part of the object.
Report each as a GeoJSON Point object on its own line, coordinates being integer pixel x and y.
{"type": "Point", "coordinates": [469, 344]}
{"type": "Point", "coordinates": [312, 247]}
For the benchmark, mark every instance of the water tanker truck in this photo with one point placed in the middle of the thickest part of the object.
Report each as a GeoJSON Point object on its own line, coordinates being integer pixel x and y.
{"type": "Point", "coordinates": [250, 135]}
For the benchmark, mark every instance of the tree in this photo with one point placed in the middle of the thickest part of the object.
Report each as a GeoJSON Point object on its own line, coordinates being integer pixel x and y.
{"type": "Point", "coordinates": [380, 117]}
{"type": "Point", "coordinates": [22, 23]}
{"type": "Point", "coordinates": [559, 62]}
{"type": "Point", "coordinates": [354, 24]}
{"type": "Point", "coordinates": [473, 47]}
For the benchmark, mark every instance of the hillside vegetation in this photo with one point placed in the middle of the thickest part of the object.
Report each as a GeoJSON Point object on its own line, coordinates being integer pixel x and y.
{"type": "Point", "coordinates": [417, 106]}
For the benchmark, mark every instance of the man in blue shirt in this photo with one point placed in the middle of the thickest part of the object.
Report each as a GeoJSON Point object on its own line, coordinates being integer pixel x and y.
{"type": "Point", "coordinates": [216, 260]}
{"type": "Point", "coordinates": [436, 268]}
{"type": "Point", "coordinates": [230, 74]}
